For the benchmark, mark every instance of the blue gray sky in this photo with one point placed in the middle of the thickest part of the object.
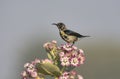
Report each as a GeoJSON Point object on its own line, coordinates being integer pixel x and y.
{"type": "Point", "coordinates": [27, 22]}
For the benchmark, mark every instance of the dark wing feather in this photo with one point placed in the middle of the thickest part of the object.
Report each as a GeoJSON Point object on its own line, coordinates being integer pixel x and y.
{"type": "Point", "coordinates": [70, 32]}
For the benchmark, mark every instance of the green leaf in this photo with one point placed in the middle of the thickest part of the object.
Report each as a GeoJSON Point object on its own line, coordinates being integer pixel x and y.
{"type": "Point", "coordinates": [49, 56]}
{"type": "Point", "coordinates": [48, 69]}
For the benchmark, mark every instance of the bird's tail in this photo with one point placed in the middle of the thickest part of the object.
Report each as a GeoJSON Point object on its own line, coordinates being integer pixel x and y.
{"type": "Point", "coordinates": [83, 36]}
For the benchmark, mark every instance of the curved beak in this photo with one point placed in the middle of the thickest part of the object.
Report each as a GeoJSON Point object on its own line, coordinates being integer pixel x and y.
{"type": "Point", "coordinates": [54, 24]}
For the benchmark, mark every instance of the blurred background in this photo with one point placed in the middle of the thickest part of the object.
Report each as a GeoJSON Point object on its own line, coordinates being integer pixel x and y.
{"type": "Point", "coordinates": [25, 25]}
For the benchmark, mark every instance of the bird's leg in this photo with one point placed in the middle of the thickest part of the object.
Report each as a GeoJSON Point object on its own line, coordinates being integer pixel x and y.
{"type": "Point", "coordinates": [72, 44]}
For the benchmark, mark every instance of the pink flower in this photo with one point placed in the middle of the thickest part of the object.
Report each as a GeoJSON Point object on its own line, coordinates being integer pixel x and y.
{"type": "Point", "coordinates": [73, 72]}
{"type": "Point", "coordinates": [79, 77]}
{"type": "Point", "coordinates": [65, 61]}
{"type": "Point", "coordinates": [47, 61]}
{"type": "Point", "coordinates": [74, 54]}
{"type": "Point", "coordinates": [74, 61]}
{"type": "Point", "coordinates": [81, 51]}
{"type": "Point", "coordinates": [65, 75]}
{"type": "Point", "coordinates": [26, 65]}
{"type": "Point", "coordinates": [24, 74]}
{"type": "Point", "coordinates": [50, 45]}
{"type": "Point", "coordinates": [35, 61]}
{"type": "Point", "coordinates": [33, 74]}
{"type": "Point", "coordinates": [55, 42]}
{"type": "Point", "coordinates": [46, 44]}
{"type": "Point", "coordinates": [81, 56]}
{"type": "Point", "coordinates": [30, 68]}
{"type": "Point", "coordinates": [82, 59]}
{"type": "Point", "coordinates": [61, 54]}
{"type": "Point", "coordinates": [67, 47]}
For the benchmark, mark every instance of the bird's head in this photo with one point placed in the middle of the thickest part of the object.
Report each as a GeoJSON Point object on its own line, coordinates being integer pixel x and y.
{"type": "Point", "coordinates": [61, 26]}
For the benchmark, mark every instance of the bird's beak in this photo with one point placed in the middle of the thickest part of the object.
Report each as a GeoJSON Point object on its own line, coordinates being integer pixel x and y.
{"type": "Point", "coordinates": [54, 24]}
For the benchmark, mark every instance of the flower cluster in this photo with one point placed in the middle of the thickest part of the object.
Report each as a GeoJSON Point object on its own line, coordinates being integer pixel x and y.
{"type": "Point", "coordinates": [70, 75]}
{"type": "Point", "coordinates": [30, 70]}
{"type": "Point", "coordinates": [71, 56]}
{"type": "Point", "coordinates": [60, 63]}
{"type": "Point", "coordinates": [50, 45]}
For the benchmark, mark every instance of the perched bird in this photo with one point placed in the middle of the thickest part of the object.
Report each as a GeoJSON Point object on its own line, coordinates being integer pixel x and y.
{"type": "Point", "coordinates": [68, 35]}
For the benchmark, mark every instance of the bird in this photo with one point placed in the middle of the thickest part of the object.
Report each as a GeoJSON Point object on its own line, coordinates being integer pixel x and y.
{"type": "Point", "coordinates": [68, 35]}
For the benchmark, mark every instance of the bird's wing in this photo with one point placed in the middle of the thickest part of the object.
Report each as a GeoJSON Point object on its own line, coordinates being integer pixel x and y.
{"type": "Point", "coordinates": [70, 32]}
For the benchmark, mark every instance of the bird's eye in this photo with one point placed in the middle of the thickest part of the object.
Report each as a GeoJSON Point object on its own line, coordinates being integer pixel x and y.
{"type": "Point", "coordinates": [60, 24]}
